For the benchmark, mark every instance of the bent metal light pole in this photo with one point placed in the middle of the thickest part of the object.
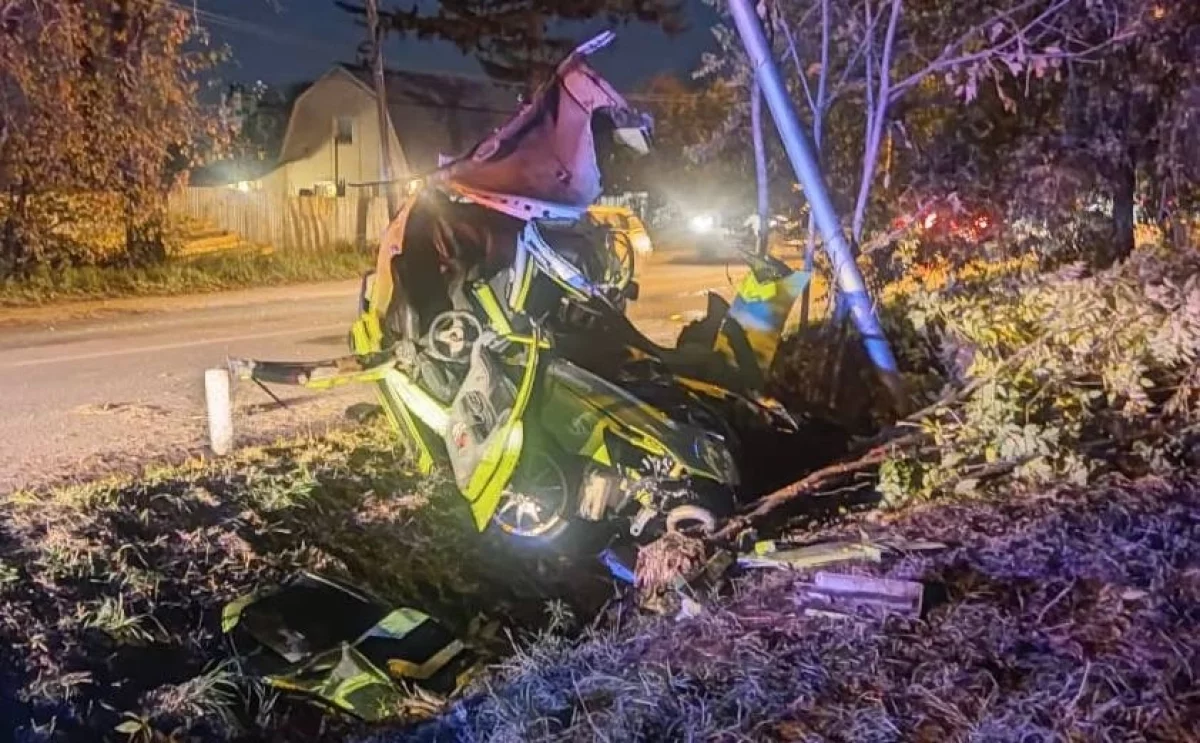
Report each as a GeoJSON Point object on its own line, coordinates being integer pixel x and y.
{"type": "Point", "coordinates": [804, 163]}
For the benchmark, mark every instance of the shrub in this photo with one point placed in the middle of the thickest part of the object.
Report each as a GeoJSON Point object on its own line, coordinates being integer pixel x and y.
{"type": "Point", "coordinates": [1058, 377]}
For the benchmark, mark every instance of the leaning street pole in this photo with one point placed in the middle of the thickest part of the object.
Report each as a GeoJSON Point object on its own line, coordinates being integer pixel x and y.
{"type": "Point", "coordinates": [385, 139]}
{"type": "Point", "coordinates": [808, 172]}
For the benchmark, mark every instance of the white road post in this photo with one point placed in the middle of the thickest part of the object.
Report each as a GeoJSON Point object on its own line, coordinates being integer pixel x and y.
{"type": "Point", "coordinates": [220, 410]}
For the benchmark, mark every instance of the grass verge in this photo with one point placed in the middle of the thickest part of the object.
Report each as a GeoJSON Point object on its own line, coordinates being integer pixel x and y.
{"type": "Point", "coordinates": [110, 593]}
{"type": "Point", "coordinates": [1068, 616]}
{"type": "Point", "coordinates": [233, 270]}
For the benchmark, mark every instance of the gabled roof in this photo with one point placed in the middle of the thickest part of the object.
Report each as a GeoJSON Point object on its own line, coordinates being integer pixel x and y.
{"type": "Point", "coordinates": [433, 114]}
{"type": "Point", "coordinates": [439, 114]}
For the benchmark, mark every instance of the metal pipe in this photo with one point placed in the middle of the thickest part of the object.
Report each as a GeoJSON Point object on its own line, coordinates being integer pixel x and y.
{"type": "Point", "coordinates": [808, 172]}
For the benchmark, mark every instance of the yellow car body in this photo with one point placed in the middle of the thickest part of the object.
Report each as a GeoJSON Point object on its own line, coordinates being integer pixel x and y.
{"type": "Point", "coordinates": [625, 225]}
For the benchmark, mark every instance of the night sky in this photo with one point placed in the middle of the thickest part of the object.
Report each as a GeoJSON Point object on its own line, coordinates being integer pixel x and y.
{"type": "Point", "coordinates": [285, 41]}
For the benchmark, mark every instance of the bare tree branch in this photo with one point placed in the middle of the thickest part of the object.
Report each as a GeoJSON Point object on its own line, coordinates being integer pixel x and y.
{"type": "Point", "coordinates": [949, 58]}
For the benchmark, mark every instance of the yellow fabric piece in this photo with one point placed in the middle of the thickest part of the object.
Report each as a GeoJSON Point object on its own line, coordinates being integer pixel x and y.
{"type": "Point", "coordinates": [400, 668]}
{"type": "Point", "coordinates": [489, 484]}
{"type": "Point", "coordinates": [491, 306]}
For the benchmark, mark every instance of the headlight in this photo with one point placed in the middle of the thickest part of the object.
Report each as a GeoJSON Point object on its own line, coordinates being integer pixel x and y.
{"type": "Point", "coordinates": [702, 223]}
{"type": "Point", "coordinates": [641, 242]}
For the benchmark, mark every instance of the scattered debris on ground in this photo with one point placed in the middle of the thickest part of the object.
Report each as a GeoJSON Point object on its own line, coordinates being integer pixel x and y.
{"type": "Point", "coordinates": [1070, 615]}
{"type": "Point", "coordinates": [111, 594]}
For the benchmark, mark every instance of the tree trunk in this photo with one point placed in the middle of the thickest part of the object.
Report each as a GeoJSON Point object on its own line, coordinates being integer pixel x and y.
{"type": "Point", "coordinates": [9, 247]}
{"type": "Point", "coordinates": [14, 262]}
{"type": "Point", "coordinates": [1124, 185]}
{"type": "Point", "coordinates": [810, 248]}
{"type": "Point", "coordinates": [760, 169]}
{"type": "Point", "coordinates": [810, 253]}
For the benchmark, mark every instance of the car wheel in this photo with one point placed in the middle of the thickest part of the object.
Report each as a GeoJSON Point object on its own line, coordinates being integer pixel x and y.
{"type": "Point", "coordinates": [537, 503]}
{"type": "Point", "coordinates": [538, 509]}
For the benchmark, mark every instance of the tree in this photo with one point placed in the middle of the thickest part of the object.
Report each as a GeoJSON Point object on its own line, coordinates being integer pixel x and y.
{"type": "Point", "coordinates": [1130, 115]}
{"type": "Point", "coordinates": [858, 66]}
{"type": "Point", "coordinates": [517, 40]}
{"type": "Point", "coordinates": [255, 118]}
{"type": "Point", "coordinates": [97, 106]}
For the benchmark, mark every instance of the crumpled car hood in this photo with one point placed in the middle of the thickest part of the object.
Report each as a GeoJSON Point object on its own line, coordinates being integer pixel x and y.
{"type": "Point", "coordinates": [543, 163]}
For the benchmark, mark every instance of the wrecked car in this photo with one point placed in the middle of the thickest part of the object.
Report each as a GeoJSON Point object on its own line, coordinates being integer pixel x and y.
{"type": "Point", "coordinates": [493, 328]}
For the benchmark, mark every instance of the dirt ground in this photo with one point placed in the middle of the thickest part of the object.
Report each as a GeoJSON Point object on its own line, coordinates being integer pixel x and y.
{"type": "Point", "coordinates": [1062, 616]}
{"type": "Point", "coordinates": [1054, 617]}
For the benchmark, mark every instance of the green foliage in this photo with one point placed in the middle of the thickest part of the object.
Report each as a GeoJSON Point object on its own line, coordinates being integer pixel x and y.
{"type": "Point", "coordinates": [202, 274]}
{"type": "Point", "coordinates": [110, 616]}
{"type": "Point", "coordinates": [1059, 378]}
{"type": "Point", "coordinates": [57, 230]}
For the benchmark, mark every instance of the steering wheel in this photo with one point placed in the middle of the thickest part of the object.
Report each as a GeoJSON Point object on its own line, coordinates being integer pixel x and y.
{"type": "Point", "coordinates": [452, 335]}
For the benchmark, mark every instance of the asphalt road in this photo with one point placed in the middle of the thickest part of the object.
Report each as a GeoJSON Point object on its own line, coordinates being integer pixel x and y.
{"type": "Point", "coordinates": [100, 387]}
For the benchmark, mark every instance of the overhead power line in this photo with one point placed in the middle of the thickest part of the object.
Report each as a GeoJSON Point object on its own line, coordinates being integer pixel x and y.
{"type": "Point", "coordinates": [250, 28]}
{"type": "Point", "coordinates": [271, 34]}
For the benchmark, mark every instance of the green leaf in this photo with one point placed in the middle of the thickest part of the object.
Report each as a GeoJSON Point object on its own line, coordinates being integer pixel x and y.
{"type": "Point", "coordinates": [130, 727]}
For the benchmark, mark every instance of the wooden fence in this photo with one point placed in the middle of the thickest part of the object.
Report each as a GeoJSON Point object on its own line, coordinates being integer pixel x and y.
{"type": "Point", "coordinates": [287, 223]}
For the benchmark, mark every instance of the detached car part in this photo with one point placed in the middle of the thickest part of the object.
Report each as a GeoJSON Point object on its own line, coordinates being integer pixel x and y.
{"type": "Point", "coordinates": [332, 643]}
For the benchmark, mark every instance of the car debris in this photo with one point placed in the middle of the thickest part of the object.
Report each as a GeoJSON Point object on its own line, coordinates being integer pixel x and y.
{"type": "Point", "coordinates": [850, 595]}
{"type": "Point", "coordinates": [784, 553]}
{"type": "Point", "coordinates": [332, 643]}
{"type": "Point", "coordinates": [767, 555]}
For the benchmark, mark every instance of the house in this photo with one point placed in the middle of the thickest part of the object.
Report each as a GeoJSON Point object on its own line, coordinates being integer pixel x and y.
{"type": "Point", "coordinates": [332, 143]}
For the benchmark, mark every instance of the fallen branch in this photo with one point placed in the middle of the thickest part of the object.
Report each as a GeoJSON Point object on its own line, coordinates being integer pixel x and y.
{"type": "Point", "coordinates": [814, 480]}
{"type": "Point", "coordinates": [879, 447]}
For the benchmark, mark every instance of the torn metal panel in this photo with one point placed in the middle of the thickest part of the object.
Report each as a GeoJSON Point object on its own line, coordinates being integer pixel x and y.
{"type": "Point", "coordinates": [837, 592]}
{"type": "Point", "coordinates": [335, 644]}
{"type": "Point", "coordinates": [543, 162]}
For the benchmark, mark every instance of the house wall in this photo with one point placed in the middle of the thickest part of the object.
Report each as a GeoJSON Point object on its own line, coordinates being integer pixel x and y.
{"type": "Point", "coordinates": [309, 153]}
{"type": "Point", "coordinates": [271, 211]}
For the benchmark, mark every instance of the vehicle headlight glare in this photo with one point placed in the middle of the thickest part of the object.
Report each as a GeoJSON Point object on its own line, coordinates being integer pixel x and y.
{"type": "Point", "coordinates": [702, 223]}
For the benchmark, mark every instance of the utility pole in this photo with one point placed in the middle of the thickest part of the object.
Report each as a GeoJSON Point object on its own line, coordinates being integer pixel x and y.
{"type": "Point", "coordinates": [385, 138]}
